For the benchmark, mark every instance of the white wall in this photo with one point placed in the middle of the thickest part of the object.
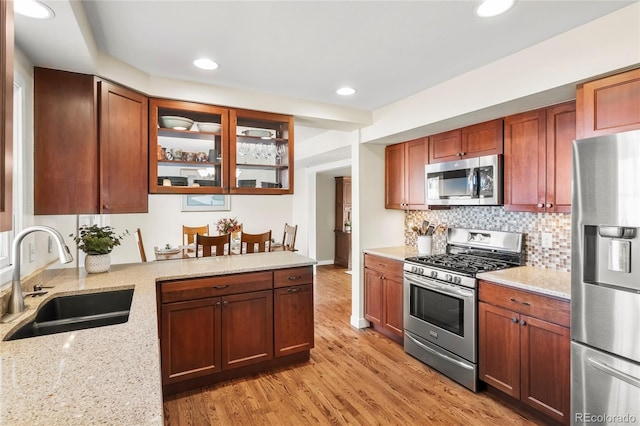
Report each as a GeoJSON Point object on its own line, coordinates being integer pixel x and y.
{"type": "Point", "coordinates": [325, 217]}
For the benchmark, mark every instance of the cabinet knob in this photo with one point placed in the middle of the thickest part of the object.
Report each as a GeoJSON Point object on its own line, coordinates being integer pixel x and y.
{"type": "Point", "coordinates": [462, 154]}
{"type": "Point", "coordinates": [225, 303]}
{"type": "Point", "coordinates": [540, 205]}
{"type": "Point", "coordinates": [514, 320]}
{"type": "Point", "coordinates": [549, 205]}
{"type": "Point", "coordinates": [523, 322]}
{"type": "Point", "coordinates": [107, 206]}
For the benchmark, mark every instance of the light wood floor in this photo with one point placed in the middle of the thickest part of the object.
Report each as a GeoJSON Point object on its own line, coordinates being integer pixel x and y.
{"type": "Point", "coordinates": [354, 377]}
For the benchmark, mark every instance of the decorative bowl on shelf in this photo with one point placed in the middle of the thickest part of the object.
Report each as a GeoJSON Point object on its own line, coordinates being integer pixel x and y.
{"type": "Point", "coordinates": [208, 127]}
{"type": "Point", "coordinates": [175, 122]}
{"type": "Point", "coordinates": [258, 133]}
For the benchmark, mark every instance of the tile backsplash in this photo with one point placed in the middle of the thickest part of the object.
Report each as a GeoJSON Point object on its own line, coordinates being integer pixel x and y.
{"type": "Point", "coordinates": [497, 219]}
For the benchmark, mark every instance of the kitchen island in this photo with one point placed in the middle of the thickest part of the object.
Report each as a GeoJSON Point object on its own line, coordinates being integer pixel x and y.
{"type": "Point", "coordinates": [109, 374]}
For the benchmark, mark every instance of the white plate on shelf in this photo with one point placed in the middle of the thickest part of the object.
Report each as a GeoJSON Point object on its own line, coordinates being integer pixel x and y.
{"type": "Point", "coordinates": [258, 133]}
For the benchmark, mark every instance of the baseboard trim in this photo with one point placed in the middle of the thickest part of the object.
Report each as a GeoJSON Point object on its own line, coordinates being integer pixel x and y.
{"type": "Point", "coordinates": [359, 322]}
{"type": "Point", "coordinates": [324, 262]}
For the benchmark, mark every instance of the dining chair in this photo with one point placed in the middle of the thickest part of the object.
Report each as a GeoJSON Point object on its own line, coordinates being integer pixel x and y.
{"type": "Point", "coordinates": [249, 241]}
{"type": "Point", "coordinates": [143, 256]}
{"type": "Point", "coordinates": [289, 237]}
{"type": "Point", "coordinates": [189, 234]}
{"type": "Point", "coordinates": [208, 243]}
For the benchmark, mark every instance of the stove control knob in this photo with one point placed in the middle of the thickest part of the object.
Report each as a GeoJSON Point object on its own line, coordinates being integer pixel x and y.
{"type": "Point", "coordinates": [421, 271]}
{"type": "Point", "coordinates": [434, 274]}
{"type": "Point", "coordinates": [448, 277]}
{"type": "Point", "coordinates": [414, 269]}
{"type": "Point", "coordinates": [457, 280]}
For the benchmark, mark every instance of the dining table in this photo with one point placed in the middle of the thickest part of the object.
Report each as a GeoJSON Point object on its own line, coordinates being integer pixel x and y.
{"type": "Point", "coordinates": [186, 252]}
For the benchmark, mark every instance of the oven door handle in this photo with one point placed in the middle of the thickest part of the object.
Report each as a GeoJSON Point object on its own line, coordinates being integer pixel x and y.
{"type": "Point", "coordinates": [445, 289]}
{"type": "Point", "coordinates": [600, 365]}
{"type": "Point", "coordinates": [443, 356]}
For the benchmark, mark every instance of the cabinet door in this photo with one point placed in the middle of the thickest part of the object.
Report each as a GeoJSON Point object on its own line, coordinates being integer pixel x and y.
{"type": "Point", "coordinates": [66, 178]}
{"type": "Point", "coordinates": [293, 319]}
{"type": "Point", "coordinates": [394, 173]}
{"type": "Point", "coordinates": [416, 156]}
{"type": "Point", "coordinates": [499, 348]}
{"type": "Point", "coordinates": [393, 315]}
{"type": "Point", "coordinates": [190, 339]}
{"type": "Point", "coordinates": [561, 132]}
{"type": "Point", "coordinates": [247, 329]}
{"type": "Point", "coordinates": [445, 146]}
{"type": "Point", "coordinates": [609, 105]}
{"type": "Point", "coordinates": [260, 152]}
{"type": "Point", "coordinates": [373, 296]}
{"type": "Point", "coordinates": [524, 162]}
{"type": "Point", "coordinates": [342, 249]}
{"type": "Point", "coordinates": [123, 150]}
{"type": "Point", "coordinates": [482, 139]}
{"type": "Point", "coordinates": [545, 356]}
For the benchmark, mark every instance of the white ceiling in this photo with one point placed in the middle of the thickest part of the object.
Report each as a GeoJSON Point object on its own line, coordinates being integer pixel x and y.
{"type": "Point", "coordinates": [387, 50]}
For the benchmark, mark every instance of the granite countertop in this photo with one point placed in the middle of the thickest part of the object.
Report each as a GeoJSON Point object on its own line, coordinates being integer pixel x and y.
{"type": "Point", "coordinates": [397, 253]}
{"type": "Point", "coordinates": [107, 375]}
{"type": "Point", "coordinates": [539, 280]}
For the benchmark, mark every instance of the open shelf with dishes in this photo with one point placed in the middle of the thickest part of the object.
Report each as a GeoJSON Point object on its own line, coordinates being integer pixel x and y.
{"type": "Point", "coordinates": [191, 144]}
{"type": "Point", "coordinates": [261, 151]}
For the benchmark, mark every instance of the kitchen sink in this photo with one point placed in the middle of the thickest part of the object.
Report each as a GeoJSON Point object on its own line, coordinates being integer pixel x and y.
{"type": "Point", "coordinates": [77, 312]}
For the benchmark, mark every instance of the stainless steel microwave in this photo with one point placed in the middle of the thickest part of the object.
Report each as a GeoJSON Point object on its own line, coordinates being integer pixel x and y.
{"type": "Point", "coordinates": [473, 181]}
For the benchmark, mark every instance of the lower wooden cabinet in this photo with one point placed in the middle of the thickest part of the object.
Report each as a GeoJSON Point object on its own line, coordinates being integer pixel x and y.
{"type": "Point", "coordinates": [383, 286]}
{"type": "Point", "coordinates": [342, 249]}
{"type": "Point", "coordinates": [524, 348]}
{"type": "Point", "coordinates": [225, 326]}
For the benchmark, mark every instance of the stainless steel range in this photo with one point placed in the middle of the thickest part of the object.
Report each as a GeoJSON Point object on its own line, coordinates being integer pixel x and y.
{"type": "Point", "coordinates": [440, 299]}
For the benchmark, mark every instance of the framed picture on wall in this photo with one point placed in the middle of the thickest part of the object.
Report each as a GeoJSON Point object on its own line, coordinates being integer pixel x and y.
{"type": "Point", "coordinates": [203, 202]}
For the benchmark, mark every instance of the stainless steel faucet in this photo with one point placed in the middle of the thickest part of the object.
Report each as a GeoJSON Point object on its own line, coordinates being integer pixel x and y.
{"type": "Point", "coordinates": [16, 300]}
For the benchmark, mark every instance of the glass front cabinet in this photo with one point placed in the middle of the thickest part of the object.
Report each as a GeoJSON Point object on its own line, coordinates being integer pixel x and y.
{"type": "Point", "coordinates": [261, 152]}
{"type": "Point", "coordinates": [203, 149]}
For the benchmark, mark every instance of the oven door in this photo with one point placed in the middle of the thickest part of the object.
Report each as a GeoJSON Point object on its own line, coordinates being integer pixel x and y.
{"type": "Point", "coordinates": [441, 313]}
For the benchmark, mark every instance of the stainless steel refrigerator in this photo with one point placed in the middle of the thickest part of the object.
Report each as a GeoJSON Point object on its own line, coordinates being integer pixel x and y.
{"type": "Point", "coordinates": [605, 280]}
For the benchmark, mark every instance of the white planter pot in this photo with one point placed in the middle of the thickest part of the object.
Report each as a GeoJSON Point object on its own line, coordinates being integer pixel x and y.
{"type": "Point", "coordinates": [96, 263]}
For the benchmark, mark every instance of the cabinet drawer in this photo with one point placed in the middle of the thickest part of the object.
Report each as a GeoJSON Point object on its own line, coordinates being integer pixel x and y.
{"type": "Point", "coordinates": [198, 288]}
{"type": "Point", "coordinates": [525, 302]}
{"type": "Point", "coordinates": [292, 276]}
{"type": "Point", "coordinates": [384, 265]}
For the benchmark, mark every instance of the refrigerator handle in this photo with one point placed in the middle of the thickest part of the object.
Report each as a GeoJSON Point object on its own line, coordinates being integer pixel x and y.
{"type": "Point", "coordinates": [600, 365]}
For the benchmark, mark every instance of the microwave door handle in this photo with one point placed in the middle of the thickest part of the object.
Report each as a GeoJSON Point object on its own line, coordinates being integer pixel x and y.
{"type": "Point", "coordinates": [474, 177]}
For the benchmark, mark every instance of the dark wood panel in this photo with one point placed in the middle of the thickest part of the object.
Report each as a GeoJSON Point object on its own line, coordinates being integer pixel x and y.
{"type": "Point", "coordinates": [247, 328]}
{"type": "Point", "coordinates": [482, 139]}
{"type": "Point", "coordinates": [386, 266]}
{"type": "Point", "coordinates": [499, 348]}
{"type": "Point", "coordinates": [416, 156]}
{"type": "Point", "coordinates": [546, 364]}
{"type": "Point", "coordinates": [393, 302]}
{"type": "Point", "coordinates": [6, 114]}
{"type": "Point", "coordinates": [123, 150]}
{"type": "Point", "coordinates": [197, 288]}
{"type": "Point", "coordinates": [342, 251]}
{"type": "Point", "coordinates": [66, 179]}
{"type": "Point", "coordinates": [293, 319]}
{"type": "Point", "coordinates": [373, 296]}
{"type": "Point", "coordinates": [445, 146]}
{"type": "Point", "coordinates": [525, 161]}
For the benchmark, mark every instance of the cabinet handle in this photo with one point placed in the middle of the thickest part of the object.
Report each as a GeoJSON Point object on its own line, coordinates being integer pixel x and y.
{"type": "Point", "coordinates": [523, 322]}
{"type": "Point", "coordinates": [220, 287]}
{"type": "Point", "coordinates": [522, 303]}
{"type": "Point", "coordinates": [297, 277]}
{"type": "Point", "coordinates": [549, 205]}
{"type": "Point", "coordinates": [382, 264]}
{"type": "Point", "coordinates": [218, 303]}
{"type": "Point", "coordinates": [293, 289]}
{"type": "Point", "coordinates": [107, 206]}
{"type": "Point", "coordinates": [514, 320]}
{"type": "Point", "coordinates": [540, 205]}
{"type": "Point", "coordinates": [462, 154]}
{"type": "Point", "coordinates": [225, 303]}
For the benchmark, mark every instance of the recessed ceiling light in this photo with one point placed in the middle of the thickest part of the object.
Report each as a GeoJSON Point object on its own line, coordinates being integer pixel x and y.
{"type": "Point", "coordinates": [205, 64]}
{"type": "Point", "coordinates": [33, 9]}
{"type": "Point", "coordinates": [489, 8]}
{"type": "Point", "coordinates": [345, 91]}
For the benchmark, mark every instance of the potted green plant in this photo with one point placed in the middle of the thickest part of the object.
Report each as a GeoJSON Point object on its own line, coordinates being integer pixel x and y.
{"type": "Point", "coordinates": [97, 242]}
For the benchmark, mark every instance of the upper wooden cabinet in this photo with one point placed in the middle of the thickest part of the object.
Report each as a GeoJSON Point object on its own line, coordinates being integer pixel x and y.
{"type": "Point", "coordinates": [90, 149]}
{"type": "Point", "coordinates": [537, 159]}
{"type": "Point", "coordinates": [404, 175]}
{"type": "Point", "coordinates": [471, 141]}
{"type": "Point", "coordinates": [260, 152]}
{"type": "Point", "coordinates": [609, 105]}
{"type": "Point", "coordinates": [188, 148]}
